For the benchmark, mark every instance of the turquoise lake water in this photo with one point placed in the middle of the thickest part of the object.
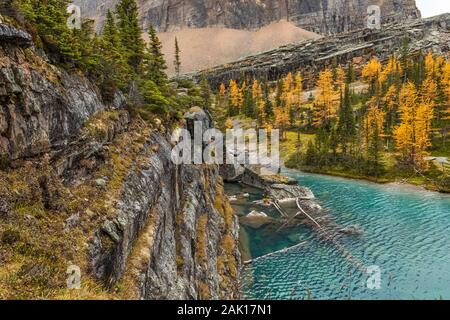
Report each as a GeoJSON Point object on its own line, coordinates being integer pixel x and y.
{"type": "Point", "coordinates": [406, 234]}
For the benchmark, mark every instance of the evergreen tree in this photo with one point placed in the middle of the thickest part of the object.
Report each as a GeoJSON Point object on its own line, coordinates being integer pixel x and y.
{"type": "Point", "coordinates": [130, 33]}
{"type": "Point", "coordinates": [206, 92]}
{"type": "Point", "coordinates": [346, 129]}
{"type": "Point", "coordinates": [155, 64]}
{"type": "Point", "coordinates": [115, 68]}
{"type": "Point", "coordinates": [177, 61]}
{"type": "Point", "coordinates": [154, 99]}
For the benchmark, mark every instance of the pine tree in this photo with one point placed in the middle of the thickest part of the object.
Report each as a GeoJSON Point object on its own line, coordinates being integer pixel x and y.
{"type": "Point", "coordinates": [177, 61]}
{"type": "Point", "coordinates": [222, 97]}
{"type": "Point", "coordinates": [234, 102]}
{"type": "Point", "coordinates": [155, 65]}
{"type": "Point", "coordinates": [287, 96]}
{"type": "Point", "coordinates": [49, 20]}
{"type": "Point", "coordinates": [298, 99]}
{"type": "Point", "coordinates": [154, 99]}
{"type": "Point", "coordinates": [346, 128]}
{"type": "Point", "coordinates": [340, 79]}
{"type": "Point", "coordinates": [281, 120]}
{"type": "Point", "coordinates": [130, 33]}
{"type": "Point", "coordinates": [115, 69]}
{"type": "Point", "coordinates": [375, 122]}
{"type": "Point", "coordinates": [390, 103]}
{"type": "Point", "coordinates": [206, 92]}
{"type": "Point", "coordinates": [258, 98]}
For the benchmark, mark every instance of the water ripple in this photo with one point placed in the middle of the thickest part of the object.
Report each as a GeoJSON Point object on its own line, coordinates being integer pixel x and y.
{"type": "Point", "coordinates": [407, 234]}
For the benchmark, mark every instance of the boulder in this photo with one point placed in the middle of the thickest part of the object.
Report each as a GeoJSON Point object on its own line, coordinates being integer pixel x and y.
{"type": "Point", "coordinates": [197, 114]}
{"type": "Point", "coordinates": [256, 219]}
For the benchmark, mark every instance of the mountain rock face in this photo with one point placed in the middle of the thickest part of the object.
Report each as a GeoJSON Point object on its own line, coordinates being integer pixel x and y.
{"type": "Point", "coordinates": [311, 56]}
{"type": "Point", "coordinates": [320, 16]}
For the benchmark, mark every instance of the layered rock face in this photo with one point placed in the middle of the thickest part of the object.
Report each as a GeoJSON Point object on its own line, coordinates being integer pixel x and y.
{"type": "Point", "coordinates": [312, 56]}
{"type": "Point", "coordinates": [41, 106]}
{"type": "Point", "coordinates": [321, 16]}
{"type": "Point", "coordinates": [185, 229]}
{"type": "Point", "coordinates": [116, 204]}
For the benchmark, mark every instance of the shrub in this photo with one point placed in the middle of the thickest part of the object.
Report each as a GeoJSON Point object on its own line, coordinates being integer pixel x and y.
{"type": "Point", "coordinates": [10, 237]}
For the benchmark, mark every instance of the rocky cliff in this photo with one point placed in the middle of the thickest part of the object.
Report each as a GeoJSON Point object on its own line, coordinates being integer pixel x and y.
{"type": "Point", "coordinates": [320, 16]}
{"type": "Point", "coordinates": [85, 185]}
{"type": "Point", "coordinates": [359, 46]}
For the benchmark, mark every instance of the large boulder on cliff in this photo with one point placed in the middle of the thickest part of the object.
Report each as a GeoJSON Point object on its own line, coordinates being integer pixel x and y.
{"type": "Point", "coordinates": [197, 115]}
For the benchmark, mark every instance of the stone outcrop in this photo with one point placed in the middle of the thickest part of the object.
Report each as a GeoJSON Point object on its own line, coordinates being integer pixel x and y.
{"type": "Point", "coordinates": [173, 208]}
{"type": "Point", "coordinates": [324, 16]}
{"type": "Point", "coordinates": [311, 56]}
{"type": "Point", "coordinates": [41, 107]}
{"type": "Point", "coordinates": [191, 233]}
{"type": "Point", "coordinates": [13, 35]}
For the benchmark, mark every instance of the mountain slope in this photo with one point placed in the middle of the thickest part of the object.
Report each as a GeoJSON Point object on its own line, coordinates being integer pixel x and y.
{"type": "Point", "coordinates": [226, 45]}
{"type": "Point", "coordinates": [320, 16]}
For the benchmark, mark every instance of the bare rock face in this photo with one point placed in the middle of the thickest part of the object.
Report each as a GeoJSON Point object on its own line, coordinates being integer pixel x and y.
{"type": "Point", "coordinates": [41, 106]}
{"type": "Point", "coordinates": [321, 16]}
{"type": "Point", "coordinates": [359, 46]}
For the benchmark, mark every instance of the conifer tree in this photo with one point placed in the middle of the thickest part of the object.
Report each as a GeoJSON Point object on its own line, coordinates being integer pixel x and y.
{"type": "Point", "coordinates": [412, 135]}
{"type": "Point", "coordinates": [205, 92]}
{"type": "Point", "coordinates": [116, 71]}
{"type": "Point", "coordinates": [130, 33]}
{"type": "Point", "coordinates": [375, 121]}
{"type": "Point", "coordinates": [177, 61]}
{"type": "Point", "coordinates": [325, 106]}
{"type": "Point", "coordinates": [155, 65]}
{"type": "Point", "coordinates": [234, 98]}
{"type": "Point", "coordinates": [346, 129]}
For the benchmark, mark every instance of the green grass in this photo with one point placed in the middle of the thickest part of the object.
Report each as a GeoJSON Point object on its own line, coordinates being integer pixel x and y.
{"type": "Point", "coordinates": [292, 144]}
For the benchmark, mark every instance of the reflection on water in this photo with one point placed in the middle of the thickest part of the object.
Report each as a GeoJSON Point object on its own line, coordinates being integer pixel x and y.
{"type": "Point", "coordinates": [406, 233]}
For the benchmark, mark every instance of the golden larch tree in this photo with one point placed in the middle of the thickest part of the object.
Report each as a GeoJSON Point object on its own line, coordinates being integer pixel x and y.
{"type": "Point", "coordinates": [412, 134]}
{"type": "Point", "coordinates": [326, 101]}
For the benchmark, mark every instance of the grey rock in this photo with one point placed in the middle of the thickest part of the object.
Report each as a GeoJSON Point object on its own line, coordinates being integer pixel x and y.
{"type": "Point", "coordinates": [326, 16]}
{"type": "Point", "coordinates": [256, 220]}
{"type": "Point", "coordinates": [72, 221]}
{"type": "Point", "coordinates": [311, 56]}
{"type": "Point", "coordinates": [199, 116]}
{"type": "Point", "coordinates": [173, 199]}
{"type": "Point", "coordinates": [15, 36]}
{"type": "Point", "coordinates": [253, 177]}
{"type": "Point", "coordinates": [101, 182]}
{"type": "Point", "coordinates": [4, 207]}
{"type": "Point", "coordinates": [42, 114]}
